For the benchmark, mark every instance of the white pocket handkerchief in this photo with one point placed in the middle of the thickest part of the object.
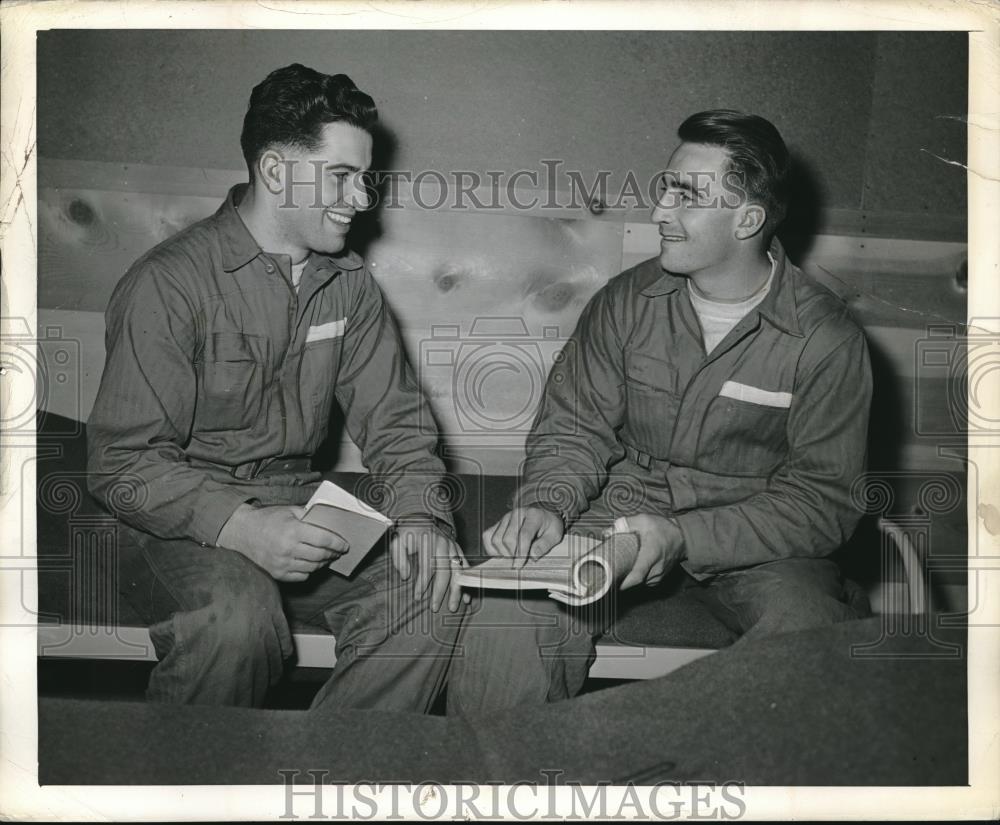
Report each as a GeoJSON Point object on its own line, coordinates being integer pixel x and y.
{"type": "Point", "coordinates": [322, 332]}
{"type": "Point", "coordinates": [755, 395]}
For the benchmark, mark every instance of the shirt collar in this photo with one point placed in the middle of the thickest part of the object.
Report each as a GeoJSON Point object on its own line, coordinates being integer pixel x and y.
{"type": "Point", "coordinates": [778, 306]}
{"type": "Point", "coordinates": [347, 261]}
{"type": "Point", "coordinates": [239, 246]}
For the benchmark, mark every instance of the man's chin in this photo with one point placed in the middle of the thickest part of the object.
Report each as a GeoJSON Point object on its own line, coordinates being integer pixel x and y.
{"type": "Point", "coordinates": [670, 264]}
{"type": "Point", "coordinates": [332, 248]}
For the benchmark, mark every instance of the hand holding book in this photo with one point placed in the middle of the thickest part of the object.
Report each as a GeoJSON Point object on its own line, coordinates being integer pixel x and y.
{"type": "Point", "coordinates": [361, 526]}
{"type": "Point", "coordinates": [579, 570]}
{"type": "Point", "coordinates": [417, 547]}
{"type": "Point", "coordinates": [277, 540]}
{"type": "Point", "coordinates": [661, 547]}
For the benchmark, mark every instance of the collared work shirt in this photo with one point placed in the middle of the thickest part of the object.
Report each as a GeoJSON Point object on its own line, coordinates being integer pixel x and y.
{"type": "Point", "coordinates": [752, 449]}
{"type": "Point", "coordinates": [217, 369]}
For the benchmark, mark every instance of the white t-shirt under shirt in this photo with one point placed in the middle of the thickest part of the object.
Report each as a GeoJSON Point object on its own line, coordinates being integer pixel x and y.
{"type": "Point", "coordinates": [297, 270]}
{"type": "Point", "coordinates": [718, 317]}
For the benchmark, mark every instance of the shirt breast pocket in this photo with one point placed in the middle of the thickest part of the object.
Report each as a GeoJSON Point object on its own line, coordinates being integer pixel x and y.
{"type": "Point", "coordinates": [231, 381]}
{"type": "Point", "coordinates": [318, 375]}
{"type": "Point", "coordinates": [652, 403]}
{"type": "Point", "coordinates": [743, 438]}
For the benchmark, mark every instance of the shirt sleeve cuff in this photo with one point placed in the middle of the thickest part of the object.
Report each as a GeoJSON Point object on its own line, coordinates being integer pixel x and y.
{"type": "Point", "coordinates": [444, 526]}
{"type": "Point", "coordinates": [214, 512]}
{"type": "Point", "coordinates": [699, 561]}
{"type": "Point", "coordinates": [567, 515]}
{"type": "Point", "coordinates": [411, 503]}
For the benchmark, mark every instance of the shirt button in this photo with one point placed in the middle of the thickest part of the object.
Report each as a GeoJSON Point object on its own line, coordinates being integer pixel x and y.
{"type": "Point", "coordinates": [269, 269]}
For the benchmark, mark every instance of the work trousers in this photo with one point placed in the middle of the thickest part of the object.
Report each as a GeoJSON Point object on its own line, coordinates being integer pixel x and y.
{"type": "Point", "coordinates": [221, 627]}
{"type": "Point", "coordinates": [523, 648]}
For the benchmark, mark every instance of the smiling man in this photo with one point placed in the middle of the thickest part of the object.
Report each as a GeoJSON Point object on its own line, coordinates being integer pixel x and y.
{"type": "Point", "coordinates": [716, 405]}
{"type": "Point", "coordinates": [227, 346]}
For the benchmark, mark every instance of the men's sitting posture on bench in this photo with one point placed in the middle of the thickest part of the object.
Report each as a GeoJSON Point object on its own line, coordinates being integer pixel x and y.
{"type": "Point", "coordinates": [226, 346]}
{"type": "Point", "coordinates": [714, 397]}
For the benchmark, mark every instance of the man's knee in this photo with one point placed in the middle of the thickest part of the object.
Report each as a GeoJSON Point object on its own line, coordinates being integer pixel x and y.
{"type": "Point", "coordinates": [244, 612]}
{"type": "Point", "coordinates": [228, 650]}
{"type": "Point", "coordinates": [517, 650]}
{"type": "Point", "coordinates": [793, 594]}
{"type": "Point", "coordinates": [529, 618]}
{"type": "Point", "coordinates": [800, 609]}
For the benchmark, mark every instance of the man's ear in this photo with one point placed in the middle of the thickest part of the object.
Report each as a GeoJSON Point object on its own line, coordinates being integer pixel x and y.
{"type": "Point", "coordinates": [271, 170]}
{"type": "Point", "coordinates": [751, 221]}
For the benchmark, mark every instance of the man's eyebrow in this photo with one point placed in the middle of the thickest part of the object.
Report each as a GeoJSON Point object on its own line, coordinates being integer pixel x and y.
{"type": "Point", "coordinates": [347, 167]}
{"type": "Point", "coordinates": [670, 179]}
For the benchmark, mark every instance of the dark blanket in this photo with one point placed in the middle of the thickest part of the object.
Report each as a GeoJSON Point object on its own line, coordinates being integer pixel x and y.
{"type": "Point", "coordinates": [807, 708]}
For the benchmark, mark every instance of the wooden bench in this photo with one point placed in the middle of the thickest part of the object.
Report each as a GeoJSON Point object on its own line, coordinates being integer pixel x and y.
{"type": "Point", "coordinates": [317, 650]}
{"type": "Point", "coordinates": [616, 658]}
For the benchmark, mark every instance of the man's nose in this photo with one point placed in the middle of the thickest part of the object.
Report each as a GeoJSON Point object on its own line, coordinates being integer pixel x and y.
{"type": "Point", "coordinates": [663, 211]}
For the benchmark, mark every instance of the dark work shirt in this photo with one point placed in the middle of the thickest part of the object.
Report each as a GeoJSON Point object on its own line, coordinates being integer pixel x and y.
{"type": "Point", "coordinates": [217, 369]}
{"type": "Point", "coordinates": [752, 449]}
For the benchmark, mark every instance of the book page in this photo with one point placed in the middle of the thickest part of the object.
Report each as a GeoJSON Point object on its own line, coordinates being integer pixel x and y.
{"type": "Point", "coordinates": [554, 570]}
{"type": "Point", "coordinates": [333, 508]}
{"type": "Point", "coordinates": [329, 493]}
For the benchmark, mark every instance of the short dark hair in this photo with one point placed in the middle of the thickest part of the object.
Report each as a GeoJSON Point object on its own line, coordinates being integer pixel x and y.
{"type": "Point", "coordinates": [292, 105]}
{"type": "Point", "coordinates": [756, 152]}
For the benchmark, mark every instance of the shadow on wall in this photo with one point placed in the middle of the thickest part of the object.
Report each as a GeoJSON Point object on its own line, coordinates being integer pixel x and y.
{"type": "Point", "coordinates": [801, 225]}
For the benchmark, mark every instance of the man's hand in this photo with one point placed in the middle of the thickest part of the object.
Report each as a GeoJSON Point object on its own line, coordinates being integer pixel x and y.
{"type": "Point", "coordinates": [661, 546]}
{"type": "Point", "coordinates": [436, 557]}
{"type": "Point", "coordinates": [523, 533]}
{"type": "Point", "coordinates": [276, 539]}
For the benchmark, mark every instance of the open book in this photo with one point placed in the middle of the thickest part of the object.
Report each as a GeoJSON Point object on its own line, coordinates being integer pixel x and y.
{"type": "Point", "coordinates": [361, 526]}
{"type": "Point", "coordinates": [579, 570]}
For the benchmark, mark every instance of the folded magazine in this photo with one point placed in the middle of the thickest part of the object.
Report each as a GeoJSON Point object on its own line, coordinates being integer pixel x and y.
{"type": "Point", "coordinates": [579, 570]}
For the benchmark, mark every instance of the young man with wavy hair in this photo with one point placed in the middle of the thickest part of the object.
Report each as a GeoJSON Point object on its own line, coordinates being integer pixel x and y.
{"type": "Point", "coordinates": [715, 403]}
{"type": "Point", "coordinates": [227, 346]}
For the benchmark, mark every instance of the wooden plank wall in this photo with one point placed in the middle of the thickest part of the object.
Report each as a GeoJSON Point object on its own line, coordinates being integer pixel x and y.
{"type": "Point", "coordinates": [485, 299]}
